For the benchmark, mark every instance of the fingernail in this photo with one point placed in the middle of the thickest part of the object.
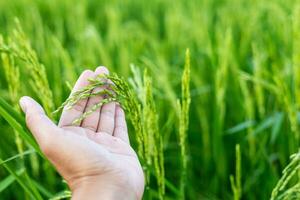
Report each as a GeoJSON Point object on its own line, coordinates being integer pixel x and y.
{"type": "Point", "coordinates": [23, 103]}
{"type": "Point", "coordinates": [102, 70]}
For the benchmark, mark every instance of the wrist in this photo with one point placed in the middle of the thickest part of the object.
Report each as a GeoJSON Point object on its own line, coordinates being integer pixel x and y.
{"type": "Point", "coordinates": [92, 190]}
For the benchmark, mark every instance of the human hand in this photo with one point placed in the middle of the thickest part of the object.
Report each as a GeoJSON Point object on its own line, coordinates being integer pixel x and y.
{"type": "Point", "coordinates": [95, 157]}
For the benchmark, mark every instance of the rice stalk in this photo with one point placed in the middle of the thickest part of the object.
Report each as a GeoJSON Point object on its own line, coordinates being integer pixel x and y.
{"type": "Point", "coordinates": [235, 182]}
{"type": "Point", "coordinates": [258, 61]}
{"type": "Point", "coordinates": [138, 84]}
{"type": "Point", "coordinates": [221, 87]}
{"type": "Point", "coordinates": [290, 172]}
{"type": "Point", "coordinates": [285, 98]}
{"type": "Point", "coordinates": [153, 142]}
{"type": "Point", "coordinates": [12, 75]}
{"type": "Point", "coordinates": [19, 48]}
{"type": "Point", "coordinates": [250, 115]}
{"type": "Point", "coordinates": [296, 53]}
{"type": "Point", "coordinates": [92, 109]}
{"type": "Point", "coordinates": [153, 134]}
{"type": "Point", "coordinates": [184, 108]}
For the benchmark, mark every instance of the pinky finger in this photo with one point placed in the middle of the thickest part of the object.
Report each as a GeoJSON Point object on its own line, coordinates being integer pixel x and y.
{"type": "Point", "coordinates": [120, 130]}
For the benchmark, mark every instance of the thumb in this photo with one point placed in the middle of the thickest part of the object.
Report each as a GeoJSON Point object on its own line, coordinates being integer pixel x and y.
{"type": "Point", "coordinates": [38, 123]}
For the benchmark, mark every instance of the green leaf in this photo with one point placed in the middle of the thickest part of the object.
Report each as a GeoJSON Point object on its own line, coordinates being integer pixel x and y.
{"type": "Point", "coordinates": [240, 127]}
{"type": "Point", "coordinates": [32, 186]}
{"type": "Point", "coordinates": [18, 156]}
{"type": "Point", "coordinates": [42, 189]}
{"type": "Point", "coordinates": [20, 180]}
{"type": "Point", "coordinates": [274, 120]}
{"type": "Point", "coordinates": [278, 119]}
{"type": "Point", "coordinates": [9, 180]}
{"type": "Point", "coordinates": [18, 123]}
{"type": "Point", "coordinates": [20, 119]}
{"type": "Point", "coordinates": [267, 123]}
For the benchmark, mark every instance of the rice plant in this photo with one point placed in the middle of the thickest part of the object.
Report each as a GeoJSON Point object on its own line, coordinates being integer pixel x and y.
{"type": "Point", "coordinates": [184, 107]}
{"type": "Point", "coordinates": [19, 48]}
{"type": "Point", "coordinates": [236, 181]}
{"type": "Point", "coordinates": [12, 75]}
{"type": "Point", "coordinates": [283, 189]}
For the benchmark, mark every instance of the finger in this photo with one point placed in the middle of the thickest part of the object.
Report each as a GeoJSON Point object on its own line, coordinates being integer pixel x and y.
{"type": "Point", "coordinates": [69, 115]}
{"type": "Point", "coordinates": [120, 125]}
{"type": "Point", "coordinates": [42, 128]}
{"type": "Point", "coordinates": [107, 118]}
{"type": "Point", "coordinates": [92, 120]}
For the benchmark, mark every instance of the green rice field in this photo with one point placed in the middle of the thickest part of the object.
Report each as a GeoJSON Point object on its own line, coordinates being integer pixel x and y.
{"type": "Point", "coordinates": [217, 83]}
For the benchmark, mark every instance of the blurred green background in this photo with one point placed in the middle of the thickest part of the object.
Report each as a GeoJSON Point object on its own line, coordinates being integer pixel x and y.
{"type": "Point", "coordinates": [245, 82]}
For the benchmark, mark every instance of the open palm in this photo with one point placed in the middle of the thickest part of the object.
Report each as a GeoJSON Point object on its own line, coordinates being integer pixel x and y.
{"type": "Point", "coordinates": [94, 153]}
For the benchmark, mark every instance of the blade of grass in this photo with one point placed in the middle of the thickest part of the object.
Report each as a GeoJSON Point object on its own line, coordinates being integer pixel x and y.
{"type": "Point", "coordinates": [21, 182]}
{"type": "Point", "coordinates": [9, 115]}
{"type": "Point", "coordinates": [19, 155]}
{"type": "Point", "coordinates": [12, 112]}
{"type": "Point", "coordinates": [42, 189]}
{"type": "Point", "coordinates": [5, 183]}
